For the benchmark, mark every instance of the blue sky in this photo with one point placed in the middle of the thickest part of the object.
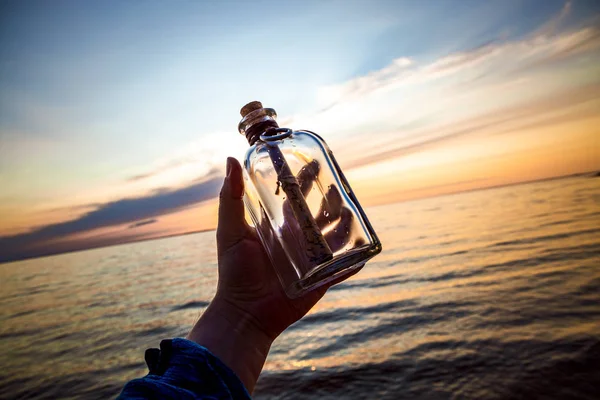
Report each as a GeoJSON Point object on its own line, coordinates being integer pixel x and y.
{"type": "Point", "coordinates": [123, 64]}
{"type": "Point", "coordinates": [100, 100]}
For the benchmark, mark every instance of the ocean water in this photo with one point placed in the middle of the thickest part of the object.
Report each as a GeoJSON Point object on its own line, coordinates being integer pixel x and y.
{"type": "Point", "coordinates": [491, 294]}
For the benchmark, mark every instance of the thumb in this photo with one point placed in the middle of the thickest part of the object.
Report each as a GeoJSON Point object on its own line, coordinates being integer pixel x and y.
{"type": "Point", "coordinates": [232, 226]}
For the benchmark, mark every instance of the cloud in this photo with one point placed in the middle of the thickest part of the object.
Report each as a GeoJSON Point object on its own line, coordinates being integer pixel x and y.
{"type": "Point", "coordinates": [552, 26]}
{"type": "Point", "coordinates": [127, 210]}
{"type": "Point", "coordinates": [167, 166]}
{"type": "Point", "coordinates": [502, 86]}
{"type": "Point", "coordinates": [203, 156]}
{"type": "Point", "coordinates": [142, 223]}
{"type": "Point", "coordinates": [544, 45]}
{"type": "Point", "coordinates": [545, 112]}
{"type": "Point", "coordinates": [140, 177]}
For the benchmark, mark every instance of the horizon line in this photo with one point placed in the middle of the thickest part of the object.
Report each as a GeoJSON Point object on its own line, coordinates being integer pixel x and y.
{"type": "Point", "coordinates": [591, 174]}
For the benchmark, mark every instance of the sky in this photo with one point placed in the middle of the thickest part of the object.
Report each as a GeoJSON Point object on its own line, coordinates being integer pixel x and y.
{"type": "Point", "coordinates": [116, 117]}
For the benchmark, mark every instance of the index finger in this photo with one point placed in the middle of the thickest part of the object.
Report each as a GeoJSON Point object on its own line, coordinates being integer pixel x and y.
{"type": "Point", "coordinates": [307, 176]}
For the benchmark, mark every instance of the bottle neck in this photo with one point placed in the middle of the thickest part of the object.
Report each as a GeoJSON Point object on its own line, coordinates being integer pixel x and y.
{"type": "Point", "coordinates": [256, 123]}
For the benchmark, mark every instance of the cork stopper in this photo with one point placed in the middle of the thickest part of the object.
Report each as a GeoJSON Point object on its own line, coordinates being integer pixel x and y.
{"type": "Point", "coordinates": [256, 120]}
{"type": "Point", "coordinates": [252, 106]}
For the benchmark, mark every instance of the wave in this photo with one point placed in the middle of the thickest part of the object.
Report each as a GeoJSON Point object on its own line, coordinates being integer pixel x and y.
{"type": "Point", "coordinates": [544, 238]}
{"type": "Point", "coordinates": [482, 369]}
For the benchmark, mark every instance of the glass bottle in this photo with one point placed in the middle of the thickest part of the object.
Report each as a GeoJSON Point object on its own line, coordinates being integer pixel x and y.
{"type": "Point", "coordinates": [305, 213]}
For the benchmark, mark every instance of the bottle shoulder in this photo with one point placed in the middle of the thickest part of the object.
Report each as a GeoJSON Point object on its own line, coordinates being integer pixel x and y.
{"type": "Point", "coordinates": [300, 140]}
{"type": "Point", "coordinates": [311, 134]}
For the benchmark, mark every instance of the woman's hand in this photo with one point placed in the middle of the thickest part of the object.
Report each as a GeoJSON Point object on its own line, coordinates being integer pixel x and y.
{"type": "Point", "coordinates": [250, 308]}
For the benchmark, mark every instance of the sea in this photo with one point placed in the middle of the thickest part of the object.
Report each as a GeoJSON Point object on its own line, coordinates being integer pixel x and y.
{"type": "Point", "coordinates": [490, 294]}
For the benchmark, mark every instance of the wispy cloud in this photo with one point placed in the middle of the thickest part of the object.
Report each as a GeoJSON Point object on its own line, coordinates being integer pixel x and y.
{"type": "Point", "coordinates": [142, 223]}
{"type": "Point", "coordinates": [202, 157]}
{"type": "Point", "coordinates": [543, 112]}
{"type": "Point", "coordinates": [174, 164]}
{"type": "Point", "coordinates": [552, 26]}
{"type": "Point", "coordinates": [547, 44]}
{"type": "Point", "coordinates": [503, 86]}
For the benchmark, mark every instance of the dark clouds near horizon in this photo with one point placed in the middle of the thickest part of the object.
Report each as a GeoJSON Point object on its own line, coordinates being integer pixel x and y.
{"type": "Point", "coordinates": [136, 211]}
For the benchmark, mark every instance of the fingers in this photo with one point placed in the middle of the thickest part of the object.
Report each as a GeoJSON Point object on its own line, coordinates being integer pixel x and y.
{"type": "Point", "coordinates": [232, 226]}
{"type": "Point", "coordinates": [331, 207]}
{"type": "Point", "coordinates": [307, 176]}
{"type": "Point", "coordinates": [330, 211]}
{"type": "Point", "coordinates": [340, 235]}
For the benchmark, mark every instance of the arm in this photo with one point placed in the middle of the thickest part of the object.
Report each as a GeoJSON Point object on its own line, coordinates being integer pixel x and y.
{"type": "Point", "coordinates": [250, 308]}
{"type": "Point", "coordinates": [248, 312]}
{"type": "Point", "coordinates": [236, 341]}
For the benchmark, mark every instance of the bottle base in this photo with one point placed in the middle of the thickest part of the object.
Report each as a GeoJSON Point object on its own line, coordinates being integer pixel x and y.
{"type": "Point", "coordinates": [336, 269]}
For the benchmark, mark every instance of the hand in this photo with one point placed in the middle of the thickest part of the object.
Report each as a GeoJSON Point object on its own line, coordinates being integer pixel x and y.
{"type": "Point", "coordinates": [332, 217]}
{"type": "Point", "coordinates": [247, 280]}
{"type": "Point", "coordinates": [250, 308]}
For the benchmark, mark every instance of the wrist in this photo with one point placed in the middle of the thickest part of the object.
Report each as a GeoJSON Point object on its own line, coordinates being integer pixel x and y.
{"type": "Point", "coordinates": [232, 335]}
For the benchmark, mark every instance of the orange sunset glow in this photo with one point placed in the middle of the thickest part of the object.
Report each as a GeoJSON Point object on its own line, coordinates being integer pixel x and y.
{"type": "Point", "coordinates": [104, 147]}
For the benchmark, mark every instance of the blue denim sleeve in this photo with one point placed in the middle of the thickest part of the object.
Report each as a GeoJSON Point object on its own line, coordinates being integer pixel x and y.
{"type": "Point", "coordinates": [182, 369]}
